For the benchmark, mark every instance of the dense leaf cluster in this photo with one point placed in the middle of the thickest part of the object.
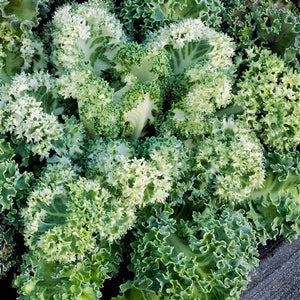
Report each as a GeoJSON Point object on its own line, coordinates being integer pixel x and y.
{"type": "Point", "coordinates": [158, 136]}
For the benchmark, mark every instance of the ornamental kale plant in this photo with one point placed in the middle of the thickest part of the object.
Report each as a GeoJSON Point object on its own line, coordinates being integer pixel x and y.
{"type": "Point", "coordinates": [147, 148]}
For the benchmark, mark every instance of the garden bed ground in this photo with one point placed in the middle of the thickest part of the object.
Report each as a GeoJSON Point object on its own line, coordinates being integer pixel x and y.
{"type": "Point", "coordinates": [278, 274]}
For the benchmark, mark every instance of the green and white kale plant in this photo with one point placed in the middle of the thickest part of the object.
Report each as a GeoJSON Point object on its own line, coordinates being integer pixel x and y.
{"type": "Point", "coordinates": [146, 147]}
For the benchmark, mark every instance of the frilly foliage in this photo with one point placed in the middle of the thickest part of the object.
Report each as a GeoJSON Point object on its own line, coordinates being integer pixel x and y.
{"type": "Point", "coordinates": [201, 256]}
{"type": "Point", "coordinates": [140, 18]}
{"type": "Point", "coordinates": [269, 95]}
{"type": "Point", "coordinates": [86, 34]}
{"type": "Point", "coordinates": [274, 209]}
{"type": "Point", "coordinates": [273, 24]}
{"type": "Point", "coordinates": [20, 47]}
{"type": "Point", "coordinates": [14, 184]}
{"type": "Point", "coordinates": [7, 249]}
{"type": "Point", "coordinates": [79, 280]}
{"type": "Point", "coordinates": [146, 147]}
